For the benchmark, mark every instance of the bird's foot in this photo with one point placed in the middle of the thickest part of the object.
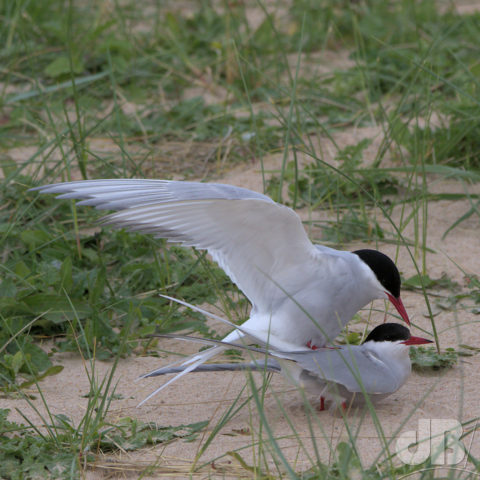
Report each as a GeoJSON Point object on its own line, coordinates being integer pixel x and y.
{"type": "Point", "coordinates": [321, 407]}
{"type": "Point", "coordinates": [311, 346]}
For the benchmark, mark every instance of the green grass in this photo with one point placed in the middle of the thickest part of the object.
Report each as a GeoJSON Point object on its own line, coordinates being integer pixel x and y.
{"type": "Point", "coordinates": [113, 89]}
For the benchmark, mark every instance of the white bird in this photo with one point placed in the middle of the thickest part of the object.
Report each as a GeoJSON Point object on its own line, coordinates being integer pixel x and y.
{"type": "Point", "coordinates": [302, 294]}
{"type": "Point", "coordinates": [378, 367]}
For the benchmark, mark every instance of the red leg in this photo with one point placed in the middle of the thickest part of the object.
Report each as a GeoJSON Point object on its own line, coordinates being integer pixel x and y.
{"type": "Point", "coordinates": [321, 407]}
{"type": "Point", "coordinates": [309, 345]}
{"type": "Point", "coordinates": [344, 406]}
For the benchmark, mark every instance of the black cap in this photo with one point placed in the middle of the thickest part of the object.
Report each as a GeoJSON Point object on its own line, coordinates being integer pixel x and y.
{"type": "Point", "coordinates": [383, 268]}
{"type": "Point", "coordinates": [388, 332]}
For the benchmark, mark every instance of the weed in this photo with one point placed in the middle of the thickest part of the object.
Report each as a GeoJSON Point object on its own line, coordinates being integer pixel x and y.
{"type": "Point", "coordinates": [424, 358]}
{"type": "Point", "coordinates": [24, 454]}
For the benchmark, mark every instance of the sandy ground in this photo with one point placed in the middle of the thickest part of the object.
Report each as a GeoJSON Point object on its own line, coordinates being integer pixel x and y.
{"type": "Point", "coordinates": [451, 394]}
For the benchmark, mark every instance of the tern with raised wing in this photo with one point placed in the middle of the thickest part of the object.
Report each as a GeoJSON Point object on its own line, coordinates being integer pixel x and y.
{"type": "Point", "coordinates": [302, 294]}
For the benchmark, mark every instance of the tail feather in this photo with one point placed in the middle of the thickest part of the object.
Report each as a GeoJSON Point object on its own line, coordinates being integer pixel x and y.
{"type": "Point", "coordinates": [203, 357]}
{"type": "Point", "coordinates": [261, 337]}
{"type": "Point", "coordinates": [184, 362]}
{"type": "Point", "coordinates": [270, 366]}
{"type": "Point", "coordinates": [193, 362]}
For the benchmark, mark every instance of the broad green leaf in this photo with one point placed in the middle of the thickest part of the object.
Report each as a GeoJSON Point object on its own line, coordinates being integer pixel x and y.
{"type": "Point", "coordinates": [57, 309]}
{"type": "Point", "coordinates": [49, 372]}
{"type": "Point", "coordinates": [21, 269]}
{"type": "Point", "coordinates": [61, 66]}
{"type": "Point", "coordinates": [34, 238]}
{"type": "Point", "coordinates": [17, 361]}
{"type": "Point", "coordinates": [428, 358]}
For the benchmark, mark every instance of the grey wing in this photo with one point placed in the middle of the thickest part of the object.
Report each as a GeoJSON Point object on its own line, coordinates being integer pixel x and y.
{"type": "Point", "coordinates": [260, 244]}
{"type": "Point", "coordinates": [350, 366]}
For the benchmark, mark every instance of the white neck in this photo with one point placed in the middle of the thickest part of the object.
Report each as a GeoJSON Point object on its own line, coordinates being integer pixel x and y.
{"type": "Point", "coordinates": [394, 355]}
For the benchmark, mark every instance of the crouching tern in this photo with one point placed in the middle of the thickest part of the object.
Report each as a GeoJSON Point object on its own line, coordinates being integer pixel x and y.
{"type": "Point", "coordinates": [302, 294]}
{"type": "Point", "coordinates": [378, 367]}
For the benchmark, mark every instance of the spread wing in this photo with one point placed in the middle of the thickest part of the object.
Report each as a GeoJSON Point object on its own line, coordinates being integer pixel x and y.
{"type": "Point", "coordinates": [260, 244]}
